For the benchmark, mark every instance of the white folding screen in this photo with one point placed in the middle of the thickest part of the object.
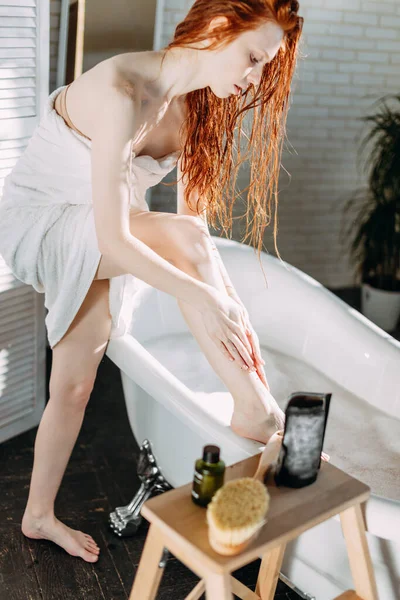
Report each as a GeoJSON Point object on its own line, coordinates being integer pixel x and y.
{"type": "Point", "coordinates": [24, 86]}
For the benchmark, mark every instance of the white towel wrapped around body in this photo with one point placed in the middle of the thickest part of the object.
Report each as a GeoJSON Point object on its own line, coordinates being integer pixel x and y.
{"type": "Point", "coordinates": [47, 232]}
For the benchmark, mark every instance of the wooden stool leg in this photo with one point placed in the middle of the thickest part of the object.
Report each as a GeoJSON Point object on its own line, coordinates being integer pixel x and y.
{"type": "Point", "coordinates": [149, 574]}
{"type": "Point", "coordinates": [197, 591]}
{"type": "Point", "coordinates": [269, 572]}
{"type": "Point", "coordinates": [218, 586]}
{"type": "Point", "coordinates": [357, 549]}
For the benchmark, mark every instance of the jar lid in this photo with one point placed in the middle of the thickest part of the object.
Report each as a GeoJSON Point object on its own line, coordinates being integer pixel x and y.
{"type": "Point", "coordinates": [211, 453]}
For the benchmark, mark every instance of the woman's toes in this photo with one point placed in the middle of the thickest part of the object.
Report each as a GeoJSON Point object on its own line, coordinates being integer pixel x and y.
{"type": "Point", "coordinates": [89, 556]}
{"type": "Point", "coordinates": [90, 539]}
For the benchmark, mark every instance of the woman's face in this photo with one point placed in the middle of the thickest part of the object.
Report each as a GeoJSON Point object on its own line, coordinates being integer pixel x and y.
{"type": "Point", "coordinates": [242, 61]}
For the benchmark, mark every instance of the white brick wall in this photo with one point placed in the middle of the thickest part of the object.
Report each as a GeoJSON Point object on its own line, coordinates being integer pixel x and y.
{"type": "Point", "coordinates": [352, 50]}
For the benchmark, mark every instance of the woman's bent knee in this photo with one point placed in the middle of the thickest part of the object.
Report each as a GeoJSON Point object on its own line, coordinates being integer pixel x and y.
{"type": "Point", "coordinates": [179, 239]}
{"type": "Point", "coordinates": [193, 243]}
{"type": "Point", "coordinates": [74, 395]}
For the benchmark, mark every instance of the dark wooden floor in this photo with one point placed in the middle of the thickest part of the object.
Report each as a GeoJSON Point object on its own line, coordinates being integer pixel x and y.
{"type": "Point", "coordinates": [101, 475]}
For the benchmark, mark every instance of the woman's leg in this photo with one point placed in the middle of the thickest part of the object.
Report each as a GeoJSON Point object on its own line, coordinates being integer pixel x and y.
{"type": "Point", "coordinates": [75, 361]}
{"type": "Point", "coordinates": [256, 413]}
{"type": "Point", "coordinates": [176, 238]}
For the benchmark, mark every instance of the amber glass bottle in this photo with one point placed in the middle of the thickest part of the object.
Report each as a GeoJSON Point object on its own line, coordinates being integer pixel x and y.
{"type": "Point", "coordinates": [209, 475]}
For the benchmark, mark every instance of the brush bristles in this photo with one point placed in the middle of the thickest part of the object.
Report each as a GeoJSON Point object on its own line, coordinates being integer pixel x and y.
{"type": "Point", "coordinates": [237, 511]}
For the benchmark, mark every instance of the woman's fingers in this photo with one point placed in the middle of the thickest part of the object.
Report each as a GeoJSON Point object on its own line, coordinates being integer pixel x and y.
{"type": "Point", "coordinates": [226, 352]}
{"type": "Point", "coordinates": [230, 351]}
{"type": "Point", "coordinates": [255, 345]}
{"type": "Point", "coordinates": [261, 374]}
{"type": "Point", "coordinates": [238, 355]}
{"type": "Point", "coordinates": [242, 337]}
{"type": "Point", "coordinates": [237, 345]}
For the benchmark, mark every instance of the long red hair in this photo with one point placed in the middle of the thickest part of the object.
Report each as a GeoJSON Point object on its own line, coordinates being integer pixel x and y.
{"type": "Point", "coordinates": [207, 159]}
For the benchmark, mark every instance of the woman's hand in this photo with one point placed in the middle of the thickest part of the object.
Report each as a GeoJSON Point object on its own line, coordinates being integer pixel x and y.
{"type": "Point", "coordinates": [255, 344]}
{"type": "Point", "coordinates": [224, 321]}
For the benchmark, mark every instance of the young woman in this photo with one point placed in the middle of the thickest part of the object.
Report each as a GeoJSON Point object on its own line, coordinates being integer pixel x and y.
{"type": "Point", "coordinates": [75, 225]}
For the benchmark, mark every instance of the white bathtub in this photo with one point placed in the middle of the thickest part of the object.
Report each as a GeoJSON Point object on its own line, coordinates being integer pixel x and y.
{"type": "Point", "coordinates": [311, 341]}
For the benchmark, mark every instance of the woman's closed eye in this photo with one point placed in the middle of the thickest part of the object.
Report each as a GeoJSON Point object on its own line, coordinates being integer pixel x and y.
{"type": "Point", "coordinates": [254, 60]}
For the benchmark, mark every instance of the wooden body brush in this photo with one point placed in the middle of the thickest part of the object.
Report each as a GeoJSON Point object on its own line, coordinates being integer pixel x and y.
{"type": "Point", "coordinates": [238, 509]}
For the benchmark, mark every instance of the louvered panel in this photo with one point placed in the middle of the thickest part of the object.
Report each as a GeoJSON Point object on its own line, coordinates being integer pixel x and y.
{"type": "Point", "coordinates": [6, 168]}
{"type": "Point", "coordinates": [12, 42]}
{"type": "Point", "coordinates": [12, 62]}
{"type": "Point", "coordinates": [24, 389]}
{"type": "Point", "coordinates": [18, 64]}
{"type": "Point", "coordinates": [24, 72]}
{"type": "Point", "coordinates": [17, 360]}
{"type": "Point", "coordinates": [26, 3]}
{"type": "Point", "coordinates": [7, 279]}
{"type": "Point", "coordinates": [16, 388]}
{"type": "Point", "coordinates": [3, 175]}
{"type": "Point", "coordinates": [15, 352]}
{"type": "Point", "coordinates": [15, 84]}
{"type": "Point", "coordinates": [10, 328]}
{"type": "Point", "coordinates": [11, 149]}
{"type": "Point", "coordinates": [24, 306]}
{"type": "Point", "coordinates": [14, 324]}
{"type": "Point", "coordinates": [20, 339]}
{"type": "Point", "coordinates": [10, 419]}
{"type": "Point", "coordinates": [21, 369]}
{"type": "Point", "coordinates": [15, 411]}
{"type": "Point", "coordinates": [16, 112]}
{"type": "Point", "coordinates": [8, 314]}
{"type": "Point", "coordinates": [13, 421]}
{"type": "Point", "coordinates": [16, 53]}
{"type": "Point", "coordinates": [20, 297]}
{"type": "Point", "coordinates": [19, 7]}
{"type": "Point", "coordinates": [15, 103]}
{"type": "Point", "coordinates": [13, 296]}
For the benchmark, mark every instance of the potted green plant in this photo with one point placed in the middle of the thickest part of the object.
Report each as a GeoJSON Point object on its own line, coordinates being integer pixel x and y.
{"type": "Point", "coordinates": [372, 218]}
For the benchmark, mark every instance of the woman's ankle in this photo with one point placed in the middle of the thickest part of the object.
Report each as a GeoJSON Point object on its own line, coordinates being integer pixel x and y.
{"type": "Point", "coordinates": [38, 513]}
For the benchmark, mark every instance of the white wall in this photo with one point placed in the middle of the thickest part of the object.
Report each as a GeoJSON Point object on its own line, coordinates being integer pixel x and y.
{"type": "Point", "coordinates": [352, 50]}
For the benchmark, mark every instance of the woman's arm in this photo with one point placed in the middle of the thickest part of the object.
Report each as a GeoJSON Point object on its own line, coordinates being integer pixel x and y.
{"type": "Point", "coordinates": [255, 344]}
{"type": "Point", "coordinates": [183, 208]}
{"type": "Point", "coordinates": [111, 157]}
{"type": "Point", "coordinates": [222, 269]}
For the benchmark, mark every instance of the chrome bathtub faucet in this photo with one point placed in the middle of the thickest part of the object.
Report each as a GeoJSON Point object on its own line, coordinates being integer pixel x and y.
{"type": "Point", "coordinates": [125, 520]}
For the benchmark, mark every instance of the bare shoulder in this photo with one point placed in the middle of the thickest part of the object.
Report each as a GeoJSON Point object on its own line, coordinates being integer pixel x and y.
{"type": "Point", "coordinates": [113, 87]}
{"type": "Point", "coordinates": [120, 98]}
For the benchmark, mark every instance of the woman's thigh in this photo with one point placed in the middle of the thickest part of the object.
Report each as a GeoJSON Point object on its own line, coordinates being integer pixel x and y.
{"type": "Point", "coordinates": [77, 355]}
{"type": "Point", "coordinates": [168, 234]}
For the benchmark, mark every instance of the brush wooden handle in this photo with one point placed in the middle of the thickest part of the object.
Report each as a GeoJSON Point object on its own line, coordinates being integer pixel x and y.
{"type": "Point", "coordinates": [269, 455]}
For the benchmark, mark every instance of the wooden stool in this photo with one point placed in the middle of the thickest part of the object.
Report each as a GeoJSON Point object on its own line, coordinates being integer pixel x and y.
{"type": "Point", "coordinates": [179, 525]}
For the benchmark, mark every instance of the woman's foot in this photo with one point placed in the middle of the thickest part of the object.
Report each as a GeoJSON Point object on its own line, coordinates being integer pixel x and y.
{"type": "Point", "coordinates": [74, 542]}
{"type": "Point", "coordinates": [258, 421]}
{"type": "Point", "coordinates": [257, 429]}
